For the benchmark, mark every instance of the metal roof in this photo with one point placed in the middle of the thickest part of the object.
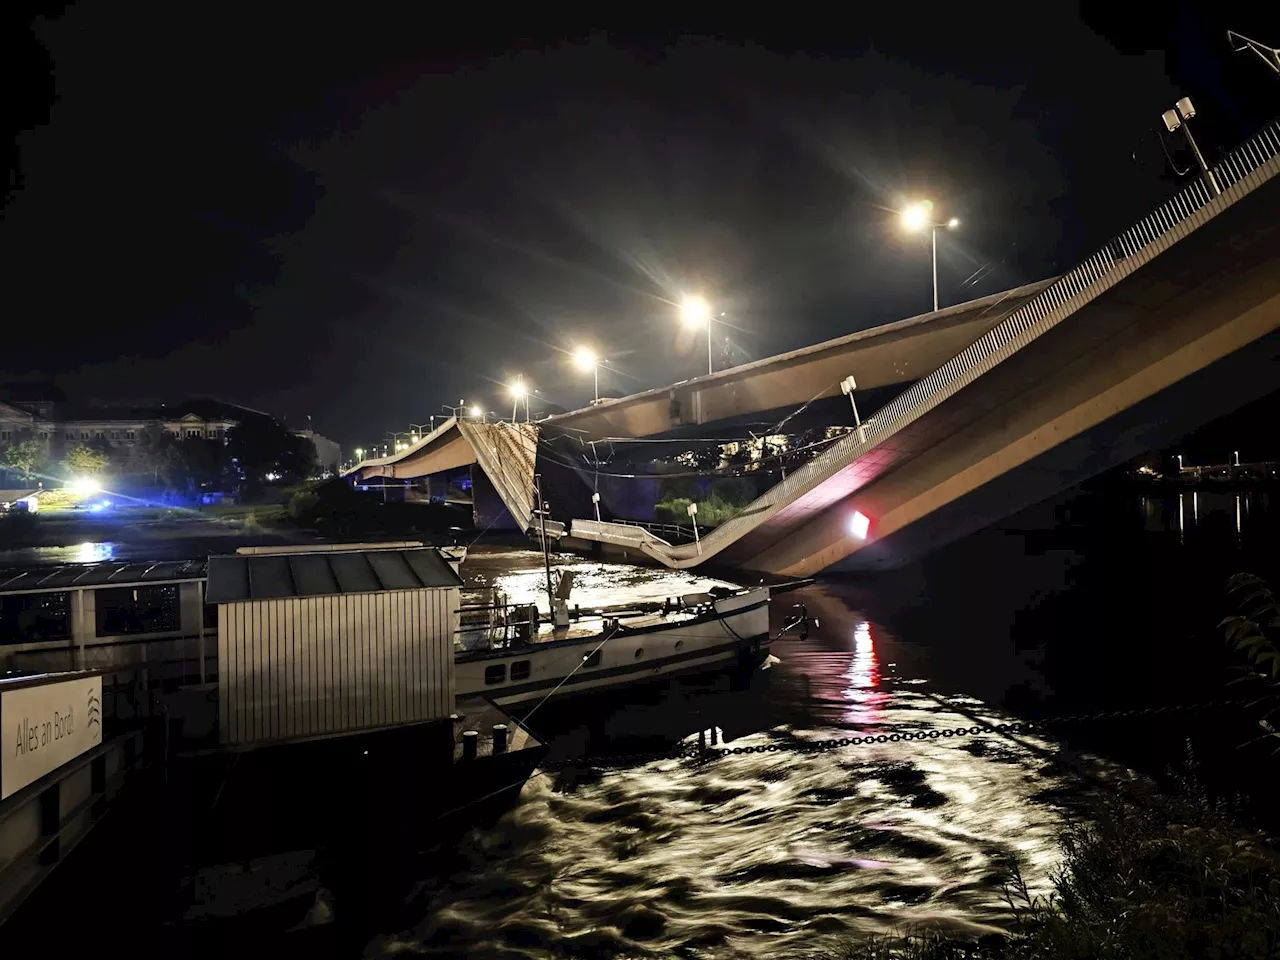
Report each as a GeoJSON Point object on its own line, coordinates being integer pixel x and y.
{"type": "Point", "coordinates": [107, 573]}
{"type": "Point", "coordinates": [233, 579]}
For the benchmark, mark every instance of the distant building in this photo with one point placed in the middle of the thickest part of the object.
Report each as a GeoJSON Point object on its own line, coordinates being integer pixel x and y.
{"type": "Point", "coordinates": [328, 453]}
{"type": "Point", "coordinates": [45, 414]}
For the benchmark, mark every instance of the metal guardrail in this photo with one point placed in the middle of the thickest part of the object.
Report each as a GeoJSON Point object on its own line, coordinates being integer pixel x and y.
{"type": "Point", "coordinates": [1242, 171]}
{"type": "Point", "coordinates": [501, 452]}
{"type": "Point", "coordinates": [685, 533]}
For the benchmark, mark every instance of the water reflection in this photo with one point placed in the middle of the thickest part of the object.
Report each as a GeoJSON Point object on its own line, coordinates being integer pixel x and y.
{"type": "Point", "coordinates": [86, 552]}
{"type": "Point", "coordinates": [94, 552]}
{"type": "Point", "coordinates": [865, 697]}
{"type": "Point", "coordinates": [769, 855]}
{"type": "Point", "coordinates": [1245, 511]}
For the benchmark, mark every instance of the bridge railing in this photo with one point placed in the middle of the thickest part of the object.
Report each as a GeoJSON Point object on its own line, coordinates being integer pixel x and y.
{"type": "Point", "coordinates": [1241, 171]}
{"type": "Point", "coordinates": [668, 529]}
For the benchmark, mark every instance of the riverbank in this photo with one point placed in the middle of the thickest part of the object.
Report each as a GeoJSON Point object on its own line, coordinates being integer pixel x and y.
{"type": "Point", "coordinates": [1146, 875]}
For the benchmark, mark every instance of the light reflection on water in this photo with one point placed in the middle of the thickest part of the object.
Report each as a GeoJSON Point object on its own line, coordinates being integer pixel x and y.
{"type": "Point", "coordinates": [87, 552]}
{"type": "Point", "coordinates": [762, 855]}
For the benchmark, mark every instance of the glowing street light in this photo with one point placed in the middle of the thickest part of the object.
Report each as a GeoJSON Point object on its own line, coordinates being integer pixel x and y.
{"type": "Point", "coordinates": [585, 359]}
{"type": "Point", "coordinates": [695, 313]}
{"type": "Point", "coordinates": [476, 412]}
{"type": "Point", "coordinates": [518, 390]}
{"type": "Point", "coordinates": [915, 218]}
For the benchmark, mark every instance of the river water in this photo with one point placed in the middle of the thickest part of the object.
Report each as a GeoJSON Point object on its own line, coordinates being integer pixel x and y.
{"type": "Point", "coordinates": [760, 855]}
{"type": "Point", "coordinates": [1094, 600]}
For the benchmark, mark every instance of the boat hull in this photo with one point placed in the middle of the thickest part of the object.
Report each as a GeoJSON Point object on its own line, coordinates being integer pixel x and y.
{"type": "Point", "coordinates": [735, 635]}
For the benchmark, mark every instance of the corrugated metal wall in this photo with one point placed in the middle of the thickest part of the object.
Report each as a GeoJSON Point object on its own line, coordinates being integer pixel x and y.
{"type": "Point", "coordinates": [308, 666]}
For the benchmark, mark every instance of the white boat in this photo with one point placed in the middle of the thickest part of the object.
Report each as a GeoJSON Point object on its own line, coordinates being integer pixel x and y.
{"type": "Point", "coordinates": [612, 648]}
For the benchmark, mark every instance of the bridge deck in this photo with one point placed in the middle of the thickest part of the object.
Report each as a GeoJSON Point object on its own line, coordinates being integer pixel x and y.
{"type": "Point", "coordinates": [922, 416]}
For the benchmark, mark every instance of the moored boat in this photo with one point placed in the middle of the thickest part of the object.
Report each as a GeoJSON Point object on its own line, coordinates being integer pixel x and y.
{"type": "Point", "coordinates": [523, 660]}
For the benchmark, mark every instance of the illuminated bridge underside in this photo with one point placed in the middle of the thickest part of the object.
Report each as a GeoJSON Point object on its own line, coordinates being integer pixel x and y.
{"type": "Point", "coordinates": [1166, 329]}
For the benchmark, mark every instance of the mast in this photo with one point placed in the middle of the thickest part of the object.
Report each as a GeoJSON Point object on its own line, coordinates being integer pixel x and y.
{"type": "Point", "coordinates": [546, 556]}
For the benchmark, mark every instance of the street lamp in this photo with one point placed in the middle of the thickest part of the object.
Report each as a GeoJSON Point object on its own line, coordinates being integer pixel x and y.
{"type": "Point", "coordinates": [1180, 117]}
{"type": "Point", "coordinates": [359, 454]}
{"type": "Point", "coordinates": [847, 386]}
{"type": "Point", "coordinates": [476, 412]}
{"type": "Point", "coordinates": [915, 218]}
{"type": "Point", "coordinates": [518, 390]}
{"type": "Point", "coordinates": [585, 359]}
{"type": "Point", "coordinates": [695, 313]}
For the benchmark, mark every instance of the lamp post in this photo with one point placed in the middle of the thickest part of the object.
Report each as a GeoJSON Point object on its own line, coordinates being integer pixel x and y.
{"type": "Point", "coordinates": [847, 386]}
{"type": "Point", "coordinates": [695, 313]}
{"type": "Point", "coordinates": [915, 218]}
{"type": "Point", "coordinates": [585, 359]}
{"type": "Point", "coordinates": [1180, 116]}
{"type": "Point", "coordinates": [518, 390]}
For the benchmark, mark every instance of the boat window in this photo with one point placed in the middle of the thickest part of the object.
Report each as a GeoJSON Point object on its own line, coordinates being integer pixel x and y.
{"type": "Point", "coordinates": [495, 674]}
{"type": "Point", "coordinates": [139, 609]}
{"type": "Point", "coordinates": [520, 670]}
{"type": "Point", "coordinates": [639, 652]}
{"type": "Point", "coordinates": [592, 659]}
{"type": "Point", "coordinates": [34, 616]}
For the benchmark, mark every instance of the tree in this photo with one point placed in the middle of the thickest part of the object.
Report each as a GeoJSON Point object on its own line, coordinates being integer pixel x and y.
{"type": "Point", "coordinates": [83, 459]}
{"type": "Point", "coordinates": [195, 463]}
{"type": "Point", "coordinates": [157, 451]}
{"type": "Point", "coordinates": [25, 455]}
{"type": "Point", "coordinates": [262, 448]}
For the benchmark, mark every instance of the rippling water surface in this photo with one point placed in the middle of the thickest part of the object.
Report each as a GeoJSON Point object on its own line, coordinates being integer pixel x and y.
{"type": "Point", "coordinates": [758, 855]}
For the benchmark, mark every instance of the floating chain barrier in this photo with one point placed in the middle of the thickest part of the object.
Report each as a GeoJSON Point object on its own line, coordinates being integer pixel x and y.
{"type": "Point", "coordinates": [839, 743]}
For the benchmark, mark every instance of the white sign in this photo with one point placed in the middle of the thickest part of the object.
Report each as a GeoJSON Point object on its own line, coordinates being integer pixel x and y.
{"type": "Point", "coordinates": [44, 726]}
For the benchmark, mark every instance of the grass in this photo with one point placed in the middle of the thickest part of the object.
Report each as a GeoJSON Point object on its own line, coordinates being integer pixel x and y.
{"type": "Point", "coordinates": [1154, 877]}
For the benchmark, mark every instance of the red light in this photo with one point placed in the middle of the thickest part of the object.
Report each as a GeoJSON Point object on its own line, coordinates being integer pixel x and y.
{"type": "Point", "coordinates": [859, 525]}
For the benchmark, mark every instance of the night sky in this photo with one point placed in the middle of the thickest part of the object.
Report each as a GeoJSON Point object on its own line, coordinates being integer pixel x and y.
{"type": "Point", "coordinates": [362, 218]}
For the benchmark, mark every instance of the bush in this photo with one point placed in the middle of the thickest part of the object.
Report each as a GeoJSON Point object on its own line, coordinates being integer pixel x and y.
{"type": "Point", "coordinates": [303, 505]}
{"type": "Point", "coordinates": [712, 511]}
{"type": "Point", "coordinates": [733, 491]}
{"type": "Point", "coordinates": [674, 511]}
{"type": "Point", "coordinates": [1149, 878]}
